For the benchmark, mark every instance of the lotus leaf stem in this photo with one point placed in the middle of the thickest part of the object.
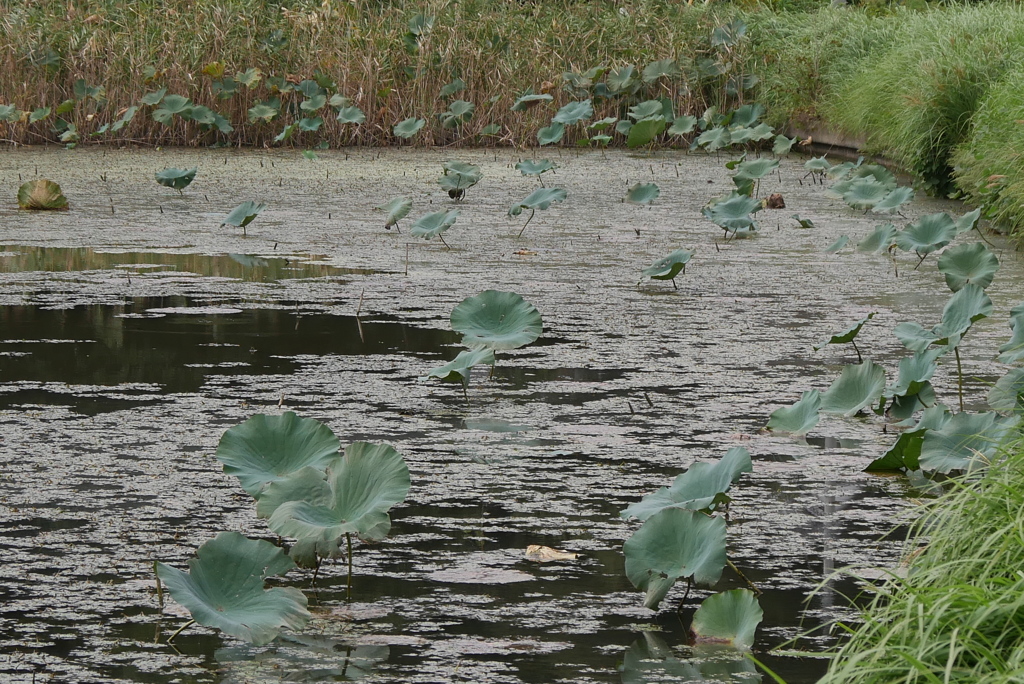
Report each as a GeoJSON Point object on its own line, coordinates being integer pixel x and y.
{"type": "Point", "coordinates": [959, 377]}
{"type": "Point", "coordinates": [348, 540]}
{"type": "Point", "coordinates": [180, 630]}
{"type": "Point", "coordinates": [860, 359]}
{"type": "Point", "coordinates": [753, 587]}
{"type": "Point", "coordinates": [159, 587]}
{"type": "Point", "coordinates": [532, 212]}
{"type": "Point", "coordinates": [689, 585]}
{"type": "Point", "coordinates": [445, 243]}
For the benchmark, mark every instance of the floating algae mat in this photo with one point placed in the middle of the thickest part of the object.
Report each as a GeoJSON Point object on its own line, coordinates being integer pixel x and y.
{"type": "Point", "coordinates": [135, 329]}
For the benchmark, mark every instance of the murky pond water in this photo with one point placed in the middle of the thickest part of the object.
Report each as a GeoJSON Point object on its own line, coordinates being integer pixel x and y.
{"type": "Point", "coordinates": [134, 331]}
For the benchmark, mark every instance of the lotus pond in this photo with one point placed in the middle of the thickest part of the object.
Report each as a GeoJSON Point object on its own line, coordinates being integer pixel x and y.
{"type": "Point", "coordinates": [136, 329]}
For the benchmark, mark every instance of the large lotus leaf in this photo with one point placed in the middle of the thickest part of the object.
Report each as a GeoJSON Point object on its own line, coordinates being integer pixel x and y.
{"type": "Point", "coordinates": [243, 214]}
{"type": "Point", "coordinates": [224, 588]}
{"type": "Point", "coordinates": [459, 368]}
{"type": "Point", "coordinates": [314, 103]}
{"type": "Point", "coordinates": [904, 406]}
{"type": "Point", "coordinates": [621, 79]}
{"type": "Point", "coordinates": [669, 267]}
{"type": "Point", "coordinates": [698, 488]}
{"type": "Point", "coordinates": [178, 179]}
{"type": "Point", "coordinates": [351, 115]}
{"type": "Point", "coordinates": [930, 233]}
{"type": "Point", "coordinates": [914, 337]}
{"type": "Point", "coordinates": [41, 195]}
{"type": "Point", "coordinates": [782, 145]}
{"type": "Point", "coordinates": [965, 307]}
{"type": "Point", "coordinates": [856, 387]}
{"type": "Point", "coordinates": [458, 113]}
{"type": "Point", "coordinates": [1013, 351]}
{"type": "Point", "coordinates": [965, 264]}
{"type": "Point", "coordinates": [968, 221]}
{"type": "Point", "coordinates": [675, 543]}
{"type": "Point", "coordinates": [496, 320]}
{"type": "Point", "coordinates": [266, 448]}
{"type": "Point", "coordinates": [643, 193]}
{"type": "Point", "coordinates": [966, 441]}
{"type": "Point", "coordinates": [662, 68]}
{"type": "Point", "coordinates": [683, 125]}
{"type": "Point", "coordinates": [915, 371]}
{"type": "Point", "coordinates": [894, 200]}
{"type": "Point", "coordinates": [306, 483]}
{"type": "Point", "coordinates": [358, 490]}
{"type": "Point", "coordinates": [733, 212]}
{"type": "Point", "coordinates": [433, 224]}
{"type": "Point", "coordinates": [459, 176]}
{"type": "Point", "coordinates": [534, 168]}
{"type": "Point", "coordinates": [171, 105]}
{"type": "Point", "coordinates": [800, 418]}
{"type": "Point", "coordinates": [714, 138]}
{"type": "Point", "coordinates": [552, 134]}
{"type": "Point", "coordinates": [264, 111]}
{"type": "Point", "coordinates": [754, 169]}
{"type": "Point", "coordinates": [408, 127]}
{"type": "Point", "coordinates": [880, 239]}
{"type": "Point", "coordinates": [905, 454]}
{"type": "Point", "coordinates": [541, 198]}
{"type": "Point", "coordinates": [310, 125]}
{"type": "Point", "coordinates": [397, 209]}
{"type": "Point", "coordinates": [817, 165]}
{"type": "Point", "coordinates": [1008, 392]}
{"type": "Point", "coordinates": [574, 112]}
{"type": "Point", "coordinates": [529, 100]}
{"type": "Point", "coordinates": [847, 335]}
{"type": "Point", "coordinates": [729, 617]}
{"type": "Point", "coordinates": [874, 171]}
{"type": "Point", "coordinates": [646, 110]}
{"type": "Point", "coordinates": [747, 115]}
{"type": "Point", "coordinates": [644, 131]}
{"type": "Point", "coordinates": [865, 193]}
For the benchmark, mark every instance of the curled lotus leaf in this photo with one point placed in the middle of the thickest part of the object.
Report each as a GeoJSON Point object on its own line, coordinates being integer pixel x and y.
{"type": "Point", "coordinates": [894, 200]}
{"type": "Point", "coordinates": [224, 588]}
{"type": "Point", "coordinates": [865, 193]}
{"type": "Point", "coordinates": [879, 240]}
{"type": "Point", "coordinates": [397, 209]}
{"type": "Point", "coordinates": [496, 320]}
{"type": "Point", "coordinates": [551, 134]}
{"type": "Point", "coordinates": [646, 110]}
{"type": "Point", "coordinates": [351, 115]}
{"type": "Point", "coordinates": [1008, 392]}
{"type": "Point", "coordinates": [179, 179]}
{"type": "Point", "coordinates": [433, 224]}
{"type": "Point", "coordinates": [857, 387]}
{"type": "Point", "coordinates": [534, 168]}
{"type": "Point", "coordinates": [701, 487]}
{"type": "Point", "coordinates": [41, 195]}
{"type": "Point", "coordinates": [783, 145]}
{"type": "Point", "coordinates": [683, 125]}
{"type": "Point", "coordinates": [798, 419]}
{"type": "Point", "coordinates": [541, 198]}
{"type": "Point", "coordinates": [243, 214]}
{"type": "Point", "coordinates": [966, 264]}
{"type": "Point", "coordinates": [966, 442]}
{"type": "Point", "coordinates": [746, 115]}
{"type": "Point", "coordinates": [968, 305]}
{"type": "Point", "coordinates": [667, 268]}
{"type": "Point", "coordinates": [847, 335]}
{"type": "Point", "coordinates": [968, 221]}
{"type": "Point", "coordinates": [732, 213]}
{"type": "Point", "coordinates": [644, 131]}
{"type": "Point", "coordinates": [574, 112]}
{"type": "Point", "coordinates": [407, 128]}
{"type": "Point", "coordinates": [905, 454]}
{"type": "Point", "coordinates": [1013, 350]}
{"type": "Point", "coordinates": [530, 100]}
{"type": "Point", "coordinates": [458, 369]}
{"type": "Point", "coordinates": [841, 242]}
{"type": "Point", "coordinates": [729, 617]}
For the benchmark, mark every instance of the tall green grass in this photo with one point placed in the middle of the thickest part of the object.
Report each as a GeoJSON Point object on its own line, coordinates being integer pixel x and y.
{"type": "Point", "coordinates": [958, 616]}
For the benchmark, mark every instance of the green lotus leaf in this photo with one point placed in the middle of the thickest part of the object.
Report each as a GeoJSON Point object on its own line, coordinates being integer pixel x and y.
{"type": "Point", "coordinates": [699, 488]}
{"type": "Point", "coordinates": [496, 320]}
{"type": "Point", "coordinates": [603, 123]}
{"type": "Point", "coordinates": [311, 89]}
{"type": "Point", "coordinates": [41, 195]}
{"type": "Point", "coordinates": [224, 588]}
{"type": "Point", "coordinates": [1013, 350]}
{"type": "Point", "coordinates": [729, 617]}
{"type": "Point", "coordinates": [750, 171]}
{"type": "Point", "coordinates": [351, 115]}
{"type": "Point", "coordinates": [857, 387]}
{"type": "Point", "coordinates": [914, 337]}
{"type": "Point", "coordinates": [966, 264]}
{"type": "Point", "coordinates": [880, 239]}
{"type": "Point", "coordinates": [806, 224]}
{"type": "Point", "coordinates": [397, 209]}
{"type": "Point", "coordinates": [672, 544]}
{"type": "Point", "coordinates": [433, 224]}
{"type": "Point", "coordinates": [858, 170]}
{"type": "Point", "coordinates": [243, 214]}
{"type": "Point", "coordinates": [647, 109]}
{"type": "Point", "coordinates": [529, 100]}
{"type": "Point", "coordinates": [266, 448]}
{"type": "Point", "coordinates": [667, 268]}
{"type": "Point", "coordinates": [178, 179]}
{"type": "Point", "coordinates": [314, 103]}
{"type": "Point", "coordinates": [968, 305]}
{"type": "Point", "coordinates": [265, 111]}
{"type": "Point", "coordinates": [714, 139]}
{"type": "Point", "coordinates": [534, 168]}
{"type": "Point", "coordinates": [541, 198]}
{"type": "Point", "coordinates": [250, 78]}
{"type": "Point", "coordinates": [798, 419]}
{"type": "Point", "coordinates": [1008, 392]}
{"type": "Point", "coordinates": [622, 79]}
{"type": "Point", "coordinates": [624, 127]}
{"type": "Point", "coordinates": [551, 134]}
{"type": "Point", "coordinates": [838, 244]}
{"type": "Point", "coordinates": [171, 105]}
{"type": "Point", "coordinates": [152, 99]}
{"type": "Point", "coordinates": [915, 371]}
{"type": "Point", "coordinates": [459, 368]}
{"type": "Point", "coordinates": [120, 123]}
{"type": "Point", "coordinates": [662, 68]}
{"type": "Point", "coordinates": [459, 176]}
{"type": "Point", "coordinates": [905, 454]}
{"type": "Point", "coordinates": [930, 233]}
{"type": "Point", "coordinates": [644, 131]}
{"type": "Point", "coordinates": [643, 193]}
{"type": "Point", "coordinates": [904, 406]}
{"type": "Point", "coordinates": [965, 442]}
{"type": "Point", "coordinates": [456, 86]}
{"type": "Point", "coordinates": [817, 165]}
{"type": "Point", "coordinates": [783, 145]}
{"type": "Point", "coordinates": [490, 130]}
{"type": "Point", "coordinates": [39, 114]}
{"type": "Point", "coordinates": [354, 497]}
{"type": "Point", "coordinates": [294, 486]}
{"type": "Point", "coordinates": [201, 115]}
{"type": "Point", "coordinates": [740, 135]}
{"type": "Point", "coordinates": [574, 112]}
{"type": "Point", "coordinates": [865, 193]}
{"type": "Point", "coordinates": [683, 125]}
{"type": "Point", "coordinates": [732, 213]}
{"type": "Point", "coordinates": [894, 200]}
{"type": "Point", "coordinates": [602, 140]}
{"type": "Point", "coordinates": [847, 335]}
{"type": "Point", "coordinates": [747, 115]}
{"type": "Point", "coordinates": [968, 221]}
{"type": "Point", "coordinates": [761, 131]}
{"type": "Point", "coordinates": [458, 113]}
{"type": "Point", "coordinates": [408, 127]}
{"type": "Point", "coordinates": [310, 125]}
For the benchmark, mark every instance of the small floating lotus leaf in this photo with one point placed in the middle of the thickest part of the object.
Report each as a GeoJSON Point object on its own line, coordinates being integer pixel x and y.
{"type": "Point", "coordinates": [224, 588]}
{"type": "Point", "coordinates": [266, 448]}
{"type": "Point", "coordinates": [683, 125]}
{"type": "Point", "coordinates": [408, 127]}
{"type": "Point", "coordinates": [433, 224]}
{"type": "Point", "coordinates": [967, 306]}
{"type": "Point", "coordinates": [701, 487]}
{"type": "Point", "coordinates": [894, 200]}
{"type": "Point", "coordinates": [534, 168]}
{"type": "Point", "coordinates": [243, 214]}
{"type": "Point", "coordinates": [965, 264]}
{"type": "Point", "coordinates": [667, 268]}
{"type": "Point", "coordinates": [966, 441]}
{"type": "Point", "coordinates": [643, 193]}
{"type": "Point", "coordinates": [351, 115]}
{"type": "Point", "coordinates": [397, 209]}
{"type": "Point", "coordinates": [905, 454]}
{"type": "Point", "coordinates": [864, 193]}
{"type": "Point", "coordinates": [1008, 392]}
{"type": "Point", "coordinates": [354, 497]}
{"type": "Point", "coordinates": [729, 617]}
{"type": "Point", "coordinates": [857, 387]}
{"type": "Point", "coordinates": [782, 145]}
{"type": "Point", "coordinates": [644, 131]}
{"type": "Point", "coordinates": [847, 335]}
{"type": "Point", "coordinates": [880, 239]}
{"type": "Point", "coordinates": [178, 179]}
{"type": "Point", "coordinates": [41, 195]}
{"type": "Point", "coordinates": [1013, 351]}
{"type": "Point", "coordinates": [798, 419]}
{"type": "Point", "coordinates": [672, 544]}
{"type": "Point", "coordinates": [458, 369]}
{"type": "Point", "coordinates": [930, 233]}
{"type": "Point", "coordinates": [838, 244]}
{"type": "Point", "coordinates": [551, 134]}
{"type": "Point", "coordinates": [541, 198]}
{"type": "Point", "coordinates": [496, 320]}
{"type": "Point", "coordinates": [732, 213]}
{"type": "Point", "coordinates": [529, 100]}
{"type": "Point", "coordinates": [968, 221]}
{"type": "Point", "coordinates": [574, 112]}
